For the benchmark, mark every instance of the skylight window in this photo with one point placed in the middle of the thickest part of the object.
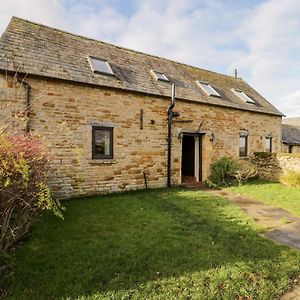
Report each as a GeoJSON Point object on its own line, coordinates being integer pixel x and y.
{"type": "Point", "coordinates": [208, 89]}
{"type": "Point", "coordinates": [100, 66]}
{"type": "Point", "coordinates": [159, 76]}
{"type": "Point", "coordinates": [243, 96]}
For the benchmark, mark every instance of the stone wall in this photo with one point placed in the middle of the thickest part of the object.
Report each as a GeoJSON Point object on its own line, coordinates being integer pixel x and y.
{"type": "Point", "coordinates": [290, 148]}
{"type": "Point", "coordinates": [12, 104]}
{"type": "Point", "coordinates": [272, 167]}
{"type": "Point", "coordinates": [268, 166]}
{"type": "Point", "coordinates": [289, 162]}
{"type": "Point", "coordinates": [63, 114]}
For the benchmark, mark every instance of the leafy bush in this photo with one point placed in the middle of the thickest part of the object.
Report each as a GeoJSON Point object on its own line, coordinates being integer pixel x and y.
{"type": "Point", "coordinates": [223, 170]}
{"type": "Point", "coordinates": [291, 179]}
{"type": "Point", "coordinates": [245, 171]}
{"type": "Point", "coordinates": [262, 155]}
{"type": "Point", "coordinates": [208, 183]}
{"type": "Point", "coordinates": [23, 188]}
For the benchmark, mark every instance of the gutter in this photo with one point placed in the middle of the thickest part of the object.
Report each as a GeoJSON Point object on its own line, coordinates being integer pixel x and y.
{"type": "Point", "coordinates": [27, 103]}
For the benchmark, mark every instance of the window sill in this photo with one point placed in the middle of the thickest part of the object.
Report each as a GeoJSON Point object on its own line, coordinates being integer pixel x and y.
{"type": "Point", "coordinates": [103, 161]}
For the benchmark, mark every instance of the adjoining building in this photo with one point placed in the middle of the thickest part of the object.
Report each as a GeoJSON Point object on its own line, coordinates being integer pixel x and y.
{"type": "Point", "coordinates": [103, 111]}
{"type": "Point", "coordinates": [291, 135]}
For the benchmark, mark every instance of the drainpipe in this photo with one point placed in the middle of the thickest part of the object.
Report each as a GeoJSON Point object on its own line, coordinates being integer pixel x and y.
{"type": "Point", "coordinates": [170, 117]}
{"type": "Point", "coordinates": [27, 104]}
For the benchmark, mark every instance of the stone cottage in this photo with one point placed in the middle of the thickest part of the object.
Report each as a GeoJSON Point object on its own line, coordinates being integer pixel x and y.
{"type": "Point", "coordinates": [291, 135]}
{"type": "Point", "coordinates": [103, 112]}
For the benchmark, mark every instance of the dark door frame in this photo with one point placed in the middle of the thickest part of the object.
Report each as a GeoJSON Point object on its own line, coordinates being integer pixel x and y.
{"type": "Point", "coordinates": [200, 136]}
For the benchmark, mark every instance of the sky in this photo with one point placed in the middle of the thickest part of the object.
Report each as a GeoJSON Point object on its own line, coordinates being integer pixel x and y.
{"type": "Point", "coordinates": [261, 39]}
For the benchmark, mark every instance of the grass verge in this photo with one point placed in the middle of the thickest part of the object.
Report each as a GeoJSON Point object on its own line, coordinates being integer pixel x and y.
{"type": "Point", "coordinates": [275, 194]}
{"type": "Point", "coordinates": [158, 244]}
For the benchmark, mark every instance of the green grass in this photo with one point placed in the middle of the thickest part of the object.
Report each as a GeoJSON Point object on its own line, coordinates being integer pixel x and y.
{"type": "Point", "coordinates": [274, 194]}
{"type": "Point", "coordinates": [159, 244]}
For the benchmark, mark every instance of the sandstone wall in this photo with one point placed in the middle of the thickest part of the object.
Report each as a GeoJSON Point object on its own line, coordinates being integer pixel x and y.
{"type": "Point", "coordinates": [289, 162]}
{"type": "Point", "coordinates": [294, 148]}
{"type": "Point", "coordinates": [63, 113]}
{"type": "Point", "coordinates": [12, 104]}
{"type": "Point", "coordinates": [271, 168]}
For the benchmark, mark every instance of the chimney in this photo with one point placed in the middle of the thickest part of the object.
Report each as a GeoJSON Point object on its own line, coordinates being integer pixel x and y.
{"type": "Point", "coordinates": [235, 73]}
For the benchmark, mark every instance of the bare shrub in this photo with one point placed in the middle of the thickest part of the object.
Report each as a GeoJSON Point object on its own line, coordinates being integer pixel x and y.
{"type": "Point", "coordinates": [245, 171]}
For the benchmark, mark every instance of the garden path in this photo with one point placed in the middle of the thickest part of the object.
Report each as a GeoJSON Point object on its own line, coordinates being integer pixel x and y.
{"type": "Point", "coordinates": [281, 226]}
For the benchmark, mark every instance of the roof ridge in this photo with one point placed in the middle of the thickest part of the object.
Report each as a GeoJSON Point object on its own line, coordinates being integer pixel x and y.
{"type": "Point", "coordinates": [120, 47]}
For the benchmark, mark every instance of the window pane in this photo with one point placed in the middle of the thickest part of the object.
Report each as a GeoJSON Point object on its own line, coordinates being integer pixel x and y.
{"type": "Point", "coordinates": [101, 66]}
{"type": "Point", "coordinates": [102, 142]}
{"type": "Point", "coordinates": [268, 144]}
{"type": "Point", "coordinates": [243, 96]}
{"type": "Point", "coordinates": [159, 75]}
{"type": "Point", "coordinates": [208, 89]}
{"type": "Point", "coordinates": [243, 146]}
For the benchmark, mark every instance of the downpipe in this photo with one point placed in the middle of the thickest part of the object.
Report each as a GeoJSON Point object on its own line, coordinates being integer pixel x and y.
{"type": "Point", "coordinates": [170, 117]}
{"type": "Point", "coordinates": [27, 103]}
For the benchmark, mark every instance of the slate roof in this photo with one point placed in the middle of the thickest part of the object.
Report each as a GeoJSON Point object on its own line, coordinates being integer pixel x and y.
{"type": "Point", "coordinates": [290, 134]}
{"type": "Point", "coordinates": [44, 51]}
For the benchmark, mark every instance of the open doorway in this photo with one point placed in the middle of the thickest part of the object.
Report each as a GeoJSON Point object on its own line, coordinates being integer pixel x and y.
{"type": "Point", "coordinates": [191, 166]}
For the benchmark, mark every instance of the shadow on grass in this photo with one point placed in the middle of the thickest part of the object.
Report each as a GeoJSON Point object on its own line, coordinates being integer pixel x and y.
{"type": "Point", "coordinates": [250, 182]}
{"type": "Point", "coordinates": [256, 181]}
{"type": "Point", "coordinates": [118, 242]}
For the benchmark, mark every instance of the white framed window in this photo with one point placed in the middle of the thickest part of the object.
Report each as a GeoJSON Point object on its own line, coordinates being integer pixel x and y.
{"type": "Point", "coordinates": [159, 76]}
{"type": "Point", "coordinates": [208, 89]}
{"type": "Point", "coordinates": [100, 66]}
{"type": "Point", "coordinates": [268, 144]}
{"type": "Point", "coordinates": [243, 96]}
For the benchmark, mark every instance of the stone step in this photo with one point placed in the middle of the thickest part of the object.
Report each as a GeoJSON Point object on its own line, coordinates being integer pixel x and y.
{"type": "Point", "coordinates": [196, 184]}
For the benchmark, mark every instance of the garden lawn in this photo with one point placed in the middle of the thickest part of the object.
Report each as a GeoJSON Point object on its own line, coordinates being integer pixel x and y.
{"type": "Point", "coordinates": [157, 244]}
{"type": "Point", "coordinates": [275, 194]}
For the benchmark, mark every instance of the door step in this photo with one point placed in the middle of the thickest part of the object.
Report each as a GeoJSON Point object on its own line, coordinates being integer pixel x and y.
{"type": "Point", "coordinates": [188, 179]}
{"type": "Point", "coordinates": [194, 185]}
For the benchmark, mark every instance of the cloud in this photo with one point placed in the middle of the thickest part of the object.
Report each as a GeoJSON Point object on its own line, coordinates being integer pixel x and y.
{"type": "Point", "coordinates": [98, 21]}
{"type": "Point", "coordinates": [184, 31]}
{"type": "Point", "coordinates": [272, 34]}
{"type": "Point", "coordinates": [292, 104]}
{"type": "Point", "coordinates": [49, 12]}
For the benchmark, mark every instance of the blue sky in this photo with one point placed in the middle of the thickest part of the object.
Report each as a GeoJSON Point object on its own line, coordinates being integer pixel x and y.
{"type": "Point", "coordinates": [259, 38]}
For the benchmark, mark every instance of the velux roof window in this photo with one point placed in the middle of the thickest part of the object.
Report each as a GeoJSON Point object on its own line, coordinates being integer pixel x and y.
{"type": "Point", "coordinates": [159, 76]}
{"type": "Point", "coordinates": [100, 66]}
{"type": "Point", "coordinates": [208, 89]}
{"type": "Point", "coordinates": [243, 96]}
